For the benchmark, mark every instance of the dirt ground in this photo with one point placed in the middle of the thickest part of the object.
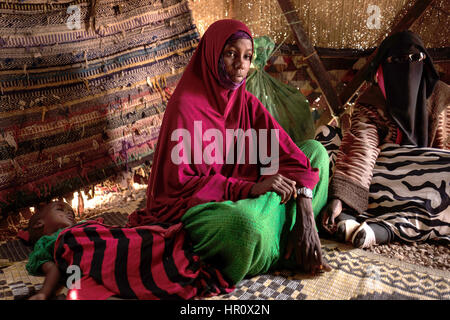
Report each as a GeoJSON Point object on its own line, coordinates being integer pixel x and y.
{"type": "Point", "coordinates": [428, 254]}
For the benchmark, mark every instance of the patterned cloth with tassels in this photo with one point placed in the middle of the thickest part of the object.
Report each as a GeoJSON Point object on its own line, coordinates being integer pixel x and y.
{"type": "Point", "coordinates": [83, 89]}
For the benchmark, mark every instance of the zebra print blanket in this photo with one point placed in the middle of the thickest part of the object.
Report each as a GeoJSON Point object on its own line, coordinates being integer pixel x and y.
{"type": "Point", "coordinates": [410, 189]}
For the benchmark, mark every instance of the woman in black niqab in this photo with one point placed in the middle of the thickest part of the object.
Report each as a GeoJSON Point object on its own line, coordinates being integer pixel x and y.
{"type": "Point", "coordinates": [409, 79]}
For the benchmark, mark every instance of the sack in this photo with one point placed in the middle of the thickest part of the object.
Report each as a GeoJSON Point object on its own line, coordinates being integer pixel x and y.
{"type": "Point", "coordinates": [285, 103]}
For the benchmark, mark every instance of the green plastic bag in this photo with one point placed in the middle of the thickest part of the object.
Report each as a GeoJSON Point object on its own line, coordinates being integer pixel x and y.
{"type": "Point", "coordinates": [285, 103]}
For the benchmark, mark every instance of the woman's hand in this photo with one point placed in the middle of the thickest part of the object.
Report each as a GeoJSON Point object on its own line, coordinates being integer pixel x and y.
{"type": "Point", "coordinates": [283, 186]}
{"type": "Point", "coordinates": [329, 214]}
{"type": "Point", "coordinates": [304, 240]}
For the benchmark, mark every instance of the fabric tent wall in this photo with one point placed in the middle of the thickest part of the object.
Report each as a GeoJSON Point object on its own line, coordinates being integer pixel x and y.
{"type": "Point", "coordinates": [356, 24]}
{"type": "Point", "coordinates": [81, 103]}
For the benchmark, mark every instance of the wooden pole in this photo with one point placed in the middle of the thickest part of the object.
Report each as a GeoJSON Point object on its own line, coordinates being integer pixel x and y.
{"type": "Point", "coordinates": [311, 57]}
{"type": "Point", "coordinates": [405, 23]}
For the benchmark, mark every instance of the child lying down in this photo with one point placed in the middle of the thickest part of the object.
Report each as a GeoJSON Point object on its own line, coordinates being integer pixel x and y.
{"type": "Point", "coordinates": [97, 261]}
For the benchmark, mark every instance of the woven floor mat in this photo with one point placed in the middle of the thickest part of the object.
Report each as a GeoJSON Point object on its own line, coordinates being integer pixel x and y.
{"type": "Point", "coordinates": [356, 274]}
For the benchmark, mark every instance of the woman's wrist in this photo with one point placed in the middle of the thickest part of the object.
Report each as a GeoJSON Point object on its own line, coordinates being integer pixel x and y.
{"type": "Point", "coordinates": [305, 214]}
{"type": "Point", "coordinates": [304, 206]}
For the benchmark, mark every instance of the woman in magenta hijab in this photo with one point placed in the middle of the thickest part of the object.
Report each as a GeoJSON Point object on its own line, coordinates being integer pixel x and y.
{"type": "Point", "coordinates": [246, 194]}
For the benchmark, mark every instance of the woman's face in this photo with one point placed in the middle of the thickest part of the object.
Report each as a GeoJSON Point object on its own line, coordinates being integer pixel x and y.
{"type": "Point", "coordinates": [237, 57]}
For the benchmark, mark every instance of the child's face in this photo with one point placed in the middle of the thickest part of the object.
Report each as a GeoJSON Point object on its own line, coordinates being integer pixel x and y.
{"type": "Point", "coordinates": [57, 215]}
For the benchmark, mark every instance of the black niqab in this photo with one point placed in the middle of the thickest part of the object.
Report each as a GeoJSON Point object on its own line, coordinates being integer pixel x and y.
{"type": "Point", "coordinates": [407, 85]}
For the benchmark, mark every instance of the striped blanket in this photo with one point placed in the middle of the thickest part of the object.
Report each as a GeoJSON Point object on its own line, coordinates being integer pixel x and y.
{"type": "Point", "coordinates": [83, 89]}
{"type": "Point", "coordinates": [410, 188]}
{"type": "Point", "coordinates": [146, 262]}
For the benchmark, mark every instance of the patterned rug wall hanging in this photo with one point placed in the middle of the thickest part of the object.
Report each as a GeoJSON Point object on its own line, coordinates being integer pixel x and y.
{"type": "Point", "coordinates": [83, 89]}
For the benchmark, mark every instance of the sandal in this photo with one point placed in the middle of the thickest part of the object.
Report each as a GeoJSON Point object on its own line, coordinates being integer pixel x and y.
{"type": "Point", "coordinates": [345, 230]}
{"type": "Point", "coordinates": [364, 237]}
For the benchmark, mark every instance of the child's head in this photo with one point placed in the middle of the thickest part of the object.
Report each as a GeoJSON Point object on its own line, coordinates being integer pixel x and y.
{"type": "Point", "coordinates": [49, 218]}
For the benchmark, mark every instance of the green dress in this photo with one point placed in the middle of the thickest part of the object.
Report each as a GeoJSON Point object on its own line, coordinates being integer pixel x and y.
{"type": "Point", "coordinates": [42, 253]}
{"type": "Point", "coordinates": [248, 237]}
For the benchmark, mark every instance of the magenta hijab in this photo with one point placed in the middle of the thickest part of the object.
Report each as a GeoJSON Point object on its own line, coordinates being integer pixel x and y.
{"type": "Point", "coordinates": [200, 105]}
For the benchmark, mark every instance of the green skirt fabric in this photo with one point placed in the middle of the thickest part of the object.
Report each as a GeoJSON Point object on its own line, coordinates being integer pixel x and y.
{"type": "Point", "coordinates": [248, 237]}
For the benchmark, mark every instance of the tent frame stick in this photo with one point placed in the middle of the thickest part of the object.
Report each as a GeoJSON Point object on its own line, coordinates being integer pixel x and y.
{"type": "Point", "coordinates": [311, 57]}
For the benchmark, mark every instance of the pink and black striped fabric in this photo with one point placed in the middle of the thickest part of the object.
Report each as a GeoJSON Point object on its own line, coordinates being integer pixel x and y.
{"type": "Point", "coordinates": [146, 262]}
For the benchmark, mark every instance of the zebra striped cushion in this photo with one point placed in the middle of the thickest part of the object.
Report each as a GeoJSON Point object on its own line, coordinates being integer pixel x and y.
{"type": "Point", "coordinates": [410, 189]}
{"type": "Point", "coordinates": [331, 138]}
{"type": "Point", "coordinates": [410, 192]}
